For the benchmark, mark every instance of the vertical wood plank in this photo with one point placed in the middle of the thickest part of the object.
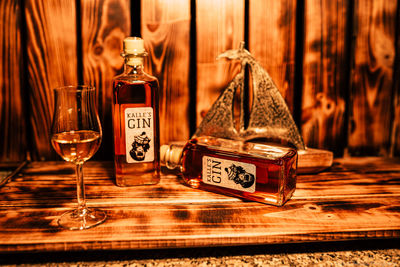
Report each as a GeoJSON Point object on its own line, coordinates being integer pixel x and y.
{"type": "Point", "coordinates": [220, 27]}
{"type": "Point", "coordinates": [105, 24]}
{"type": "Point", "coordinates": [12, 115]}
{"type": "Point", "coordinates": [51, 62]}
{"type": "Point", "coordinates": [272, 32]}
{"type": "Point", "coordinates": [324, 74]}
{"type": "Point", "coordinates": [395, 135]}
{"type": "Point", "coordinates": [165, 30]}
{"type": "Point", "coordinates": [372, 81]}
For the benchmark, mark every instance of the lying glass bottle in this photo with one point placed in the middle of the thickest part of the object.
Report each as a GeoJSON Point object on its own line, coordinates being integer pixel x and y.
{"type": "Point", "coordinates": [259, 172]}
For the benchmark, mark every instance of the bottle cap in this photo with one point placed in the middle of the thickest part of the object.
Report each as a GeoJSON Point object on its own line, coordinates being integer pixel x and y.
{"type": "Point", "coordinates": [134, 46]}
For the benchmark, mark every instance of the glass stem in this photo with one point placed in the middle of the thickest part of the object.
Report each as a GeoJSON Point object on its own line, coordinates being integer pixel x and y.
{"type": "Point", "coordinates": [80, 188]}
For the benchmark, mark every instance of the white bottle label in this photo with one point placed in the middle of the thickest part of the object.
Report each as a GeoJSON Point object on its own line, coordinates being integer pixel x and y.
{"type": "Point", "coordinates": [139, 135]}
{"type": "Point", "coordinates": [229, 174]}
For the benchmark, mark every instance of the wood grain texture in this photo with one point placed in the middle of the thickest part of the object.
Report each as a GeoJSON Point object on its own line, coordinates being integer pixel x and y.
{"type": "Point", "coordinates": [371, 92]}
{"type": "Point", "coordinates": [105, 24]}
{"type": "Point", "coordinates": [395, 134]}
{"type": "Point", "coordinates": [272, 42]}
{"type": "Point", "coordinates": [220, 27]}
{"type": "Point", "coordinates": [313, 160]}
{"type": "Point", "coordinates": [12, 111]}
{"type": "Point", "coordinates": [165, 27]}
{"type": "Point", "coordinates": [324, 74]}
{"type": "Point", "coordinates": [354, 200]}
{"type": "Point", "coordinates": [51, 62]}
{"type": "Point", "coordinates": [373, 103]}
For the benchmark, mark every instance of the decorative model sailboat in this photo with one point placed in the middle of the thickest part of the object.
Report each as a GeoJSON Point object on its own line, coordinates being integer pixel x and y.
{"type": "Point", "coordinates": [269, 118]}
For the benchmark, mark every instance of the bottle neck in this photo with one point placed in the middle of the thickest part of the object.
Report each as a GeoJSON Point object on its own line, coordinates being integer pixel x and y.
{"type": "Point", "coordinates": [171, 155]}
{"type": "Point", "coordinates": [133, 65]}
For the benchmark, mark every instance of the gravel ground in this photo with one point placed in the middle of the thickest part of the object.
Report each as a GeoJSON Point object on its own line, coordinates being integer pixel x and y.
{"type": "Point", "coordinates": [389, 257]}
{"type": "Point", "coordinates": [341, 254]}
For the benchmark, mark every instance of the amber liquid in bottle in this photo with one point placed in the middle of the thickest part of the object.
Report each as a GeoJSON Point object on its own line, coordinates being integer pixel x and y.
{"type": "Point", "coordinates": [258, 172]}
{"type": "Point", "coordinates": [136, 127]}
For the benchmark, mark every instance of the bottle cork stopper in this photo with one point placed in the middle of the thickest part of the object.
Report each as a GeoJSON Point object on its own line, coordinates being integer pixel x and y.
{"type": "Point", "coordinates": [134, 45]}
{"type": "Point", "coordinates": [171, 155]}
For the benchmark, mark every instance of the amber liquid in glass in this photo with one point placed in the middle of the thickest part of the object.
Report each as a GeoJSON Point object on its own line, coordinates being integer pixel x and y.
{"type": "Point", "coordinates": [275, 168]}
{"type": "Point", "coordinates": [76, 146]}
{"type": "Point", "coordinates": [135, 91]}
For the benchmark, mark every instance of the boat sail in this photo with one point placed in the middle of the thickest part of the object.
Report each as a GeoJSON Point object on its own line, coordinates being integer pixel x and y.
{"type": "Point", "coordinates": [269, 118]}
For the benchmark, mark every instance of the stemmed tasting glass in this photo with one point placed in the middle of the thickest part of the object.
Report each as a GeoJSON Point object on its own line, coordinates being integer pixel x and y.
{"type": "Point", "coordinates": [76, 136]}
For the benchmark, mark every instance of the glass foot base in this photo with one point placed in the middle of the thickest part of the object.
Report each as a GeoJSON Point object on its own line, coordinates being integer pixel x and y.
{"type": "Point", "coordinates": [81, 219]}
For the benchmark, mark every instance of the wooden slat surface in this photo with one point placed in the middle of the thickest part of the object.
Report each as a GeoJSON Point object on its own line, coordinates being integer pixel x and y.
{"type": "Point", "coordinates": [372, 81]}
{"type": "Point", "coordinates": [324, 74]}
{"type": "Point", "coordinates": [105, 24]}
{"type": "Point", "coordinates": [165, 27]}
{"type": "Point", "coordinates": [51, 62]}
{"type": "Point", "coordinates": [358, 198]}
{"type": "Point", "coordinates": [12, 110]}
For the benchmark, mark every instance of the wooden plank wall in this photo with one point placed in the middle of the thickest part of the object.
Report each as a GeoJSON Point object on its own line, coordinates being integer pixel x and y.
{"type": "Point", "coordinates": [12, 112]}
{"type": "Point", "coordinates": [220, 27]}
{"type": "Point", "coordinates": [104, 25]}
{"type": "Point", "coordinates": [325, 74]}
{"type": "Point", "coordinates": [275, 49]}
{"type": "Point", "coordinates": [51, 61]}
{"type": "Point", "coordinates": [372, 85]}
{"type": "Point", "coordinates": [395, 138]}
{"type": "Point", "coordinates": [335, 62]}
{"type": "Point", "coordinates": [165, 27]}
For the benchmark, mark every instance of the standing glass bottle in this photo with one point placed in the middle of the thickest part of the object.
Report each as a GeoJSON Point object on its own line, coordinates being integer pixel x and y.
{"type": "Point", "coordinates": [135, 120]}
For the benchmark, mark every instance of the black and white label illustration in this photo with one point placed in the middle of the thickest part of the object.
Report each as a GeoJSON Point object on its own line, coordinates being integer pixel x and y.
{"type": "Point", "coordinates": [229, 174]}
{"type": "Point", "coordinates": [139, 135]}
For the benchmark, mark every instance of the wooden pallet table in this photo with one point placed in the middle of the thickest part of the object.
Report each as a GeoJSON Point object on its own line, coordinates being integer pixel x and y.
{"type": "Point", "coordinates": [358, 198]}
